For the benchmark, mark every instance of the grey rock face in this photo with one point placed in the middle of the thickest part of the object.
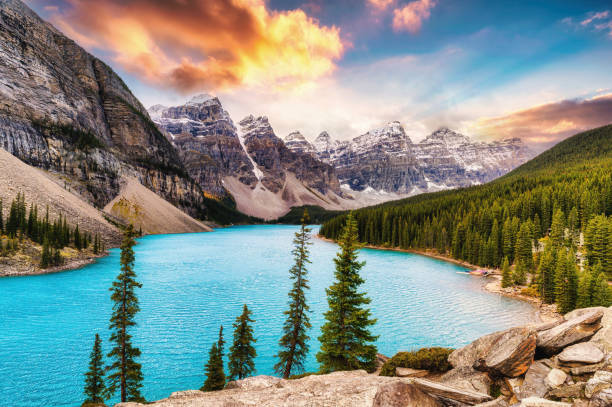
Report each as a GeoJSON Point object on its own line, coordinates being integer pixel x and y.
{"type": "Point", "coordinates": [582, 327]}
{"type": "Point", "coordinates": [64, 110]}
{"type": "Point", "coordinates": [585, 353]}
{"type": "Point", "coordinates": [386, 159]}
{"type": "Point", "coordinates": [207, 141]}
{"type": "Point", "coordinates": [401, 394]}
{"type": "Point", "coordinates": [275, 159]}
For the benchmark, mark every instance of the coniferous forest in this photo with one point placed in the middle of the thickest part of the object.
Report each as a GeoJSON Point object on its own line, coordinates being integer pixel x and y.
{"type": "Point", "coordinates": [551, 219]}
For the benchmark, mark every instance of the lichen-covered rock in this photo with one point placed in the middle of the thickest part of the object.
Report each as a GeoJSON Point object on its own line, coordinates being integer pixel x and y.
{"type": "Point", "coordinates": [511, 353]}
{"type": "Point", "coordinates": [574, 390]}
{"type": "Point", "coordinates": [601, 380]}
{"type": "Point", "coordinates": [574, 330]}
{"type": "Point", "coordinates": [401, 394]}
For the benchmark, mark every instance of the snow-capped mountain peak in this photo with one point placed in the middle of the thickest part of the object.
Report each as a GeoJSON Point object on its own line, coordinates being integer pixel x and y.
{"type": "Point", "coordinates": [199, 99]}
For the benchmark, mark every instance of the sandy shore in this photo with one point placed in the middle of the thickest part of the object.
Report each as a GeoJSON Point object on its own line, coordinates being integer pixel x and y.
{"type": "Point", "coordinates": [16, 268]}
{"type": "Point", "coordinates": [492, 283]}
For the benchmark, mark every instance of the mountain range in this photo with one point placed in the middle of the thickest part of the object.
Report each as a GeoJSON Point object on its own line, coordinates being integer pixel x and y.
{"type": "Point", "coordinates": [267, 175]}
{"type": "Point", "coordinates": [66, 112]}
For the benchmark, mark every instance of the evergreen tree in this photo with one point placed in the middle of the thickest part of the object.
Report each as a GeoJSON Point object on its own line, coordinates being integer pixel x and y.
{"type": "Point", "coordinates": [215, 376]}
{"type": "Point", "coordinates": [566, 282]}
{"type": "Point", "coordinates": [507, 279]}
{"type": "Point", "coordinates": [293, 344]}
{"type": "Point", "coordinates": [45, 258]}
{"type": "Point", "coordinates": [95, 389]}
{"type": "Point", "coordinates": [602, 295]}
{"type": "Point", "coordinates": [523, 249]}
{"type": "Point", "coordinates": [546, 275]}
{"type": "Point", "coordinates": [78, 243]}
{"type": "Point", "coordinates": [520, 274]}
{"type": "Point", "coordinates": [557, 229]}
{"type": "Point", "coordinates": [221, 343]}
{"type": "Point", "coordinates": [346, 340]}
{"type": "Point", "coordinates": [584, 295]}
{"type": "Point", "coordinates": [126, 372]}
{"type": "Point", "coordinates": [242, 353]}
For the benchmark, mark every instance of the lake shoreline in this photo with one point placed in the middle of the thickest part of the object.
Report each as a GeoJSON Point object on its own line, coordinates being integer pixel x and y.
{"type": "Point", "coordinates": [544, 312]}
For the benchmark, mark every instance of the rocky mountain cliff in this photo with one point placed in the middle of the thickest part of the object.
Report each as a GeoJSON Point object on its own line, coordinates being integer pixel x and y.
{"type": "Point", "coordinates": [62, 109]}
{"type": "Point", "coordinates": [387, 160]}
{"type": "Point", "coordinates": [250, 163]}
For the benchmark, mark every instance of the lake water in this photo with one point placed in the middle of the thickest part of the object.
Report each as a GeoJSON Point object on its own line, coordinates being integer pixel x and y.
{"type": "Point", "coordinates": [192, 283]}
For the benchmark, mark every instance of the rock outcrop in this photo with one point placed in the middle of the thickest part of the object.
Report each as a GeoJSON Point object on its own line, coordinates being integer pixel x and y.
{"type": "Point", "coordinates": [507, 358]}
{"type": "Point", "coordinates": [62, 109]}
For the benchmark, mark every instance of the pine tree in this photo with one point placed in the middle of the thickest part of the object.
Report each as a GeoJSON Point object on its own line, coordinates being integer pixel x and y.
{"type": "Point", "coordinates": [78, 243]}
{"type": "Point", "coordinates": [584, 294]}
{"type": "Point", "coordinates": [346, 340]}
{"type": "Point", "coordinates": [95, 389]}
{"type": "Point", "coordinates": [507, 279]}
{"type": "Point", "coordinates": [566, 282]}
{"type": "Point", "coordinates": [215, 376]}
{"type": "Point", "coordinates": [523, 248]}
{"type": "Point", "coordinates": [602, 295]}
{"type": "Point", "coordinates": [546, 275]}
{"type": "Point", "coordinates": [45, 258]}
{"type": "Point", "coordinates": [293, 344]}
{"type": "Point", "coordinates": [242, 353]}
{"type": "Point", "coordinates": [557, 229]}
{"type": "Point", "coordinates": [126, 372]}
{"type": "Point", "coordinates": [520, 274]}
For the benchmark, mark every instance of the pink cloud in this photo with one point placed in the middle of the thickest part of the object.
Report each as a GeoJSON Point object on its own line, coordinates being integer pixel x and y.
{"type": "Point", "coordinates": [595, 16]}
{"type": "Point", "coordinates": [380, 5]}
{"type": "Point", "coordinates": [410, 17]}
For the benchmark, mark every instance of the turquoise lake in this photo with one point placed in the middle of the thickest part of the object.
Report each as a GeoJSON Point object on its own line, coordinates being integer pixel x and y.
{"type": "Point", "coordinates": [192, 283]}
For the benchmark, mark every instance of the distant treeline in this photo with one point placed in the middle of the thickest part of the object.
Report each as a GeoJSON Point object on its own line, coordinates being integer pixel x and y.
{"type": "Point", "coordinates": [22, 222]}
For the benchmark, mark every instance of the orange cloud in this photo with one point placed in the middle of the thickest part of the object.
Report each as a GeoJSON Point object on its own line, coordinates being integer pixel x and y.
{"type": "Point", "coordinates": [380, 5]}
{"type": "Point", "coordinates": [191, 45]}
{"type": "Point", "coordinates": [410, 17]}
{"type": "Point", "coordinates": [547, 124]}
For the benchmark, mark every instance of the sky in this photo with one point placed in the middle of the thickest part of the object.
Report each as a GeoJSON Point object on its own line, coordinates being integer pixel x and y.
{"type": "Point", "coordinates": [539, 70]}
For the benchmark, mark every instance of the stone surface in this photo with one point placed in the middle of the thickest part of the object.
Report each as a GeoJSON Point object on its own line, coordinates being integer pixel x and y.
{"type": "Point", "coordinates": [555, 378]}
{"type": "Point", "coordinates": [568, 391]}
{"type": "Point", "coordinates": [603, 337]}
{"type": "Point", "coordinates": [400, 394]}
{"type": "Point", "coordinates": [498, 402]}
{"type": "Point", "coordinates": [254, 383]}
{"type": "Point", "coordinates": [534, 383]}
{"type": "Point", "coordinates": [407, 372]}
{"type": "Point", "coordinates": [601, 380]}
{"type": "Point", "coordinates": [539, 402]}
{"type": "Point", "coordinates": [469, 379]}
{"type": "Point", "coordinates": [584, 353]}
{"type": "Point", "coordinates": [450, 392]}
{"type": "Point", "coordinates": [552, 341]}
{"type": "Point", "coordinates": [602, 398]}
{"type": "Point", "coordinates": [511, 353]}
{"type": "Point", "coordinates": [581, 370]}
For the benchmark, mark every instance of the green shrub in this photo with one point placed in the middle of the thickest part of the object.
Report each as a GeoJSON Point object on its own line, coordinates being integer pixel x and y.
{"type": "Point", "coordinates": [302, 375]}
{"type": "Point", "coordinates": [432, 359]}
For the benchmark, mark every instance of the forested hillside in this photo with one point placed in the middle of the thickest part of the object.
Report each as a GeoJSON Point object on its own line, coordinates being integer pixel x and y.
{"type": "Point", "coordinates": [558, 203]}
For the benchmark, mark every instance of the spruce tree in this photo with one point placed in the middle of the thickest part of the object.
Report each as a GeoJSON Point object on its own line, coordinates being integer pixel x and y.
{"type": "Point", "coordinates": [557, 229]}
{"type": "Point", "coordinates": [566, 282]}
{"type": "Point", "coordinates": [126, 374]}
{"type": "Point", "coordinates": [507, 279]}
{"type": "Point", "coordinates": [346, 340]}
{"type": "Point", "coordinates": [45, 258]}
{"type": "Point", "coordinates": [520, 273]}
{"type": "Point", "coordinates": [546, 275]}
{"type": "Point", "coordinates": [602, 295]}
{"type": "Point", "coordinates": [584, 286]}
{"type": "Point", "coordinates": [95, 389]}
{"type": "Point", "coordinates": [523, 248]}
{"type": "Point", "coordinates": [215, 376]}
{"type": "Point", "coordinates": [293, 344]}
{"type": "Point", "coordinates": [242, 353]}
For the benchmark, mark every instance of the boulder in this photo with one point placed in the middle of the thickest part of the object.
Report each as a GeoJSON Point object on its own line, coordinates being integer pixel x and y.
{"type": "Point", "coordinates": [498, 402]}
{"type": "Point", "coordinates": [534, 384]}
{"type": "Point", "coordinates": [577, 313]}
{"type": "Point", "coordinates": [555, 378]}
{"type": "Point", "coordinates": [601, 380]}
{"type": "Point", "coordinates": [511, 353]}
{"type": "Point", "coordinates": [585, 353]}
{"type": "Point", "coordinates": [402, 394]}
{"type": "Point", "coordinates": [574, 390]}
{"type": "Point", "coordinates": [581, 370]}
{"type": "Point", "coordinates": [448, 392]}
{"type": "Point", "coordinates": [539, 402]}
{"type": "Point", "coordinates": [407, 372]}
{"type": "Point", "coordinates": [469, 354]}
{"type": "Point", "coordinates": [254, 383]}
{"type": "Point", "coordinates": [468, 379]}
{"type": "Point", "coordinates": [552, 341]}
{"type": "Point", "coordinates": [604, 336]}
{"type": "Point", "coordinates": [602, 399]}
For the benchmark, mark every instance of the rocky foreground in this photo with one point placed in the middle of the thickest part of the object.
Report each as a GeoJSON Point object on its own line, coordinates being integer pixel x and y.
{"type": "Point", "coordinates": [567, 362]}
